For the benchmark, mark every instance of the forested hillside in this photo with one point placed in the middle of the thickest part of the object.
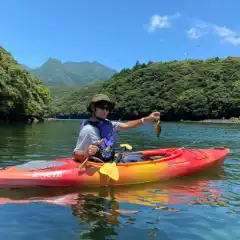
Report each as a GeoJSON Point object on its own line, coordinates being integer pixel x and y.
{"type": "Point", "coordinates": [189, 89]}
{"type": "Point", "coordinates": [22, 95]}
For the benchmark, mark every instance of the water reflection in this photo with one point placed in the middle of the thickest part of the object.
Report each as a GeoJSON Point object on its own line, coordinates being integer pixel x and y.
{"type": "Point", "coordinates": [12, 143]}
{"type": "Point", "coordinates": [101, 211]}
{"type": "Point", "coordinates": [21, 143]}
{"type": "Point", "coordinates": [98, 214]}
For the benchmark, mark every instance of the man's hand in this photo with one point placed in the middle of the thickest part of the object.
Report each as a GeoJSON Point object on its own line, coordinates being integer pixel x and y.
{"type": "Point", "coordinates": [92, 149]}
{"type": "Point", "coordinates": [155, 116]}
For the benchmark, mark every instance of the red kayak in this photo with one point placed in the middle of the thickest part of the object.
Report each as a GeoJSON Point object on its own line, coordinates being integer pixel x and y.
{"type": "Point", "coordinates": [154, 165]}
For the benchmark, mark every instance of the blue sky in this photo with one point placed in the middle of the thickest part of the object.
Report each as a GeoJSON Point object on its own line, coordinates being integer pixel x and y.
{"type": "Point", "coordinates": [118, 33]}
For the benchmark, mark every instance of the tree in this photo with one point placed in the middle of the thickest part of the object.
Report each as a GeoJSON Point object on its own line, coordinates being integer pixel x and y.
{"type": "Point", "coordinates": [22, 95]}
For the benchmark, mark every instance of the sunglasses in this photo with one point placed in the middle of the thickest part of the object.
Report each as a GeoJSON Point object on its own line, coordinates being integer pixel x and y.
{"type": "Point", "coordinates": [104, 106]}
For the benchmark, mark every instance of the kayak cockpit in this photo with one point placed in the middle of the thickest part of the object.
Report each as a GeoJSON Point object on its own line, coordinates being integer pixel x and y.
{"type": "Point", "coordinates": [148, 156]}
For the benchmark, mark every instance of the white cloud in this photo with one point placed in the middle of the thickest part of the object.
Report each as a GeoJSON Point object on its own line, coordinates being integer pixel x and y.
{"type": "Point", "coordinates": [222, 31]}
{"type": "Point", "coordinates": [225, 34]}
{"type": "Point", "coordinates": [158, 21]}
{"type": "Point", "coordinates": [195, 33]}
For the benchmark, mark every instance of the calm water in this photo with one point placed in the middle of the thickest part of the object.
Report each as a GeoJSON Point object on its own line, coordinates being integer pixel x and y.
{"type": "Point", "coordinates": [205, 206]}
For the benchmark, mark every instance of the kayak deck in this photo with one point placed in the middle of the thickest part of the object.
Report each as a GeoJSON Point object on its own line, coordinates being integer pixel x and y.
{"type": "Point", "coordinates": [157, 165]}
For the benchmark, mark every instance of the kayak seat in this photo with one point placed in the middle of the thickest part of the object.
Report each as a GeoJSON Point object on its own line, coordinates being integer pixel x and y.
{"type": "Point", "coordinates": [138, 158]}
{"type": "Point", "coordinates": [132, 158]}
{"type": "Point", "coordinates": [155, 157]}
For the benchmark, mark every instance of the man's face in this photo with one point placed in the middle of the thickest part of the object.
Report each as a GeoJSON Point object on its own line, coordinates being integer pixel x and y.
{"type": "Point", "coordinates": [102, 109]}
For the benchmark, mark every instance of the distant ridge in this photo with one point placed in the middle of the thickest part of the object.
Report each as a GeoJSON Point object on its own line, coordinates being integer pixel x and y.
{"type": "Point", "coordinates": [54, 72]}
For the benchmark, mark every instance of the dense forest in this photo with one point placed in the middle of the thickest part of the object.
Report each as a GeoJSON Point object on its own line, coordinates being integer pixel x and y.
{"type": "Point", "coordinates": [188, 90]}
{"type": "Point", "coordinates": [23, 97]}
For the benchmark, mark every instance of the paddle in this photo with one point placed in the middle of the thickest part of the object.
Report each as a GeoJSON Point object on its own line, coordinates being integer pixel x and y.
{"type": "Point", "coordinates": [83, 164]}
{"type": "Point", "coordinates": [111, 169]}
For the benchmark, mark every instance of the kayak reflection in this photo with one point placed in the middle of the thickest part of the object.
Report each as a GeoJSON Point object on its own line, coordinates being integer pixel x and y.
{"type": "Point", "coordinates": [148, 194]}
{"type": "Point", "coordinates": [100, 210]}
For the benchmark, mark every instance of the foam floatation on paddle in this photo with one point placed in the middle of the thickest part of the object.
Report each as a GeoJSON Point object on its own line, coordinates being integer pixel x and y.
{"type": "Point", "coordinates": [39, 165]}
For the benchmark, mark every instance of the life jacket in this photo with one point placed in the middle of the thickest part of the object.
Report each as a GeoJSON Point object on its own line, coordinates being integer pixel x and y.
{"type": "Point", "coordinates": [106, 133]}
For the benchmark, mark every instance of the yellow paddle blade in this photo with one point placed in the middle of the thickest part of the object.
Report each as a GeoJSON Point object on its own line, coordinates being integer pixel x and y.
{"type": "Point", "coordinates": [127, 146]}
{"type": "Point", "coordinates": [111, 170]}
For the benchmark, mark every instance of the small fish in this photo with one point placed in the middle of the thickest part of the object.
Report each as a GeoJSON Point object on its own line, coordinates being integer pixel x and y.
{"type": "Point", "coordinates": [158, 128]}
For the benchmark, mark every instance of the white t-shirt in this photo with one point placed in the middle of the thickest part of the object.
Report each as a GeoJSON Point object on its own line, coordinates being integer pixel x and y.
{"type": "Point", "coordinates": [90, 135]}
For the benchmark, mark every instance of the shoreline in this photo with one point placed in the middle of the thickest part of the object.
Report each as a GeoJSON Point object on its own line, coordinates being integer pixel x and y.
{"type": "Point", "coordinates": [211, 121]}
{"type": "Point", "coordinates": [222, 121]}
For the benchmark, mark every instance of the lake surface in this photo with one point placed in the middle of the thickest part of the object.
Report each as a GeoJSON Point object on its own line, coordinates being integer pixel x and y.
{"type": "Point", "coordinates": [205, 206]}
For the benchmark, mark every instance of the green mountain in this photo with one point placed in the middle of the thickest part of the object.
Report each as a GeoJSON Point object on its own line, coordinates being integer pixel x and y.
{"type": "Point", "coordinates": [54, 72]}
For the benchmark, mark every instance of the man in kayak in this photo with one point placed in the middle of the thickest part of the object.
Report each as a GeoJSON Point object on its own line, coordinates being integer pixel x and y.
{"type": "Point", "coordinates": [97, 135]}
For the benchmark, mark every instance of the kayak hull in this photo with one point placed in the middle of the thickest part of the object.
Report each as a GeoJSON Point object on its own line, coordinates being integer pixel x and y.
{"type": "Point", "coordinates": [158, 165]}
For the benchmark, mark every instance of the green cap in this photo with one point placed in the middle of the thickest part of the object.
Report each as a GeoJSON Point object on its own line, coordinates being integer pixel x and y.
{"type": "Point", "coordinates": [98, 98]}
